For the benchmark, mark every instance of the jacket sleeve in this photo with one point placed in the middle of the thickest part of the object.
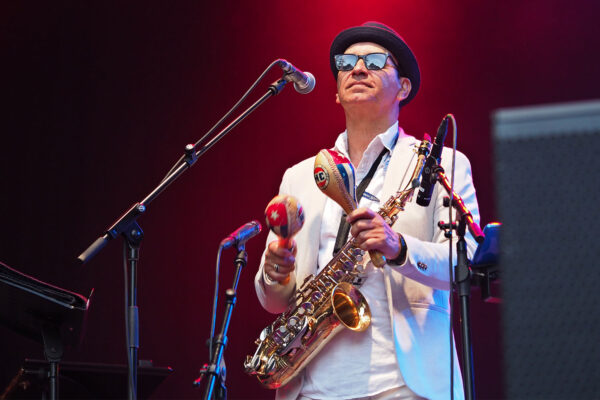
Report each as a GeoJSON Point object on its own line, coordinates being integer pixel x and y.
{"type": "Point", "coordinates": [427, 257]}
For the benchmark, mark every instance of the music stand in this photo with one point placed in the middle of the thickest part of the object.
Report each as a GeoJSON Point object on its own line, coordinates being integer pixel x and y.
{"type": "Point", "coordinates": [84, 381]}
{"type": "Point", "coordinates": [45, 313]}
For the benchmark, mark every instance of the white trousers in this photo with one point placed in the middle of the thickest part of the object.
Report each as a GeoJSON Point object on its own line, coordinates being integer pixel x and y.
{"type": "Point", "coordinates": [401, 393]}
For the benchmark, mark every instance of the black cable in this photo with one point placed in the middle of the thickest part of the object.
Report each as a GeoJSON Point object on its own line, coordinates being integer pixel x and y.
{"type": "Point", "coordinates": [215, 301]}
{"type": "Point", "coordinates": [224, 117]}
{"type": "Point", "coordinates": [450, 263]}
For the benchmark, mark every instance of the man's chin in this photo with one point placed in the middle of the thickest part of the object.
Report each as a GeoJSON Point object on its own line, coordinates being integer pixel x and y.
{"type": "Point", "coordinates": [358, 100]}
{"type": "Point", "coordinates": [360, 96]}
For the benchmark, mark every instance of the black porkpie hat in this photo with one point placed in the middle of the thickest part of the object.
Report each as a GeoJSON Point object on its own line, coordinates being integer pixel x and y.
{"type": "Point", "coordinates": [385, 36]}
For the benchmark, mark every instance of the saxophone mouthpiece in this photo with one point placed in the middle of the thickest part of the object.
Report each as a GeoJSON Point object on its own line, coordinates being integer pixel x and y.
{"type": "Point", "coordinates": [425, 145]}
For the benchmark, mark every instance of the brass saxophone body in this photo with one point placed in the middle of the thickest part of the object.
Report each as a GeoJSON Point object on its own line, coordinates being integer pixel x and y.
{"type": "Point", "coordinates": [324, 304]}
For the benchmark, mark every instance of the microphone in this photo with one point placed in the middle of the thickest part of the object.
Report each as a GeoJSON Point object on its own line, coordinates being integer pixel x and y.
{"type": "Point", "coordinates": [304, 82]}
{"type": "Point", "coordinates": [241, 235]}
{"type": "Point", "coordinates": [429, 176]}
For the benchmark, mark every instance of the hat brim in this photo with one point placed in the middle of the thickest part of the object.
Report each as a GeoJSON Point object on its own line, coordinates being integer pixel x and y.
{"type": "Point", "coordinates": [407, 61]}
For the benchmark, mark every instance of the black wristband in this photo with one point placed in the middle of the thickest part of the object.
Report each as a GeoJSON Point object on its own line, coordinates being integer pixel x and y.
{"type": "Point", "coordinates": [401, 259]}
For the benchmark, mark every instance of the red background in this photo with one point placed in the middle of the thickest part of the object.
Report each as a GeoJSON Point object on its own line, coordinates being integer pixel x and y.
{"type": "Point", "coordinates": [99, 99]}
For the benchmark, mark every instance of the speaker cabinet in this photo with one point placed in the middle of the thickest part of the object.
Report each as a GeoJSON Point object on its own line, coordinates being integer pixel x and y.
{"type": "Point", "coordinates": [547, 161]}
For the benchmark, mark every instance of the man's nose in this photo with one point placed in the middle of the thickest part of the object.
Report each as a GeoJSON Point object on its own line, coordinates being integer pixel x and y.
{"type": "Point", "coordinates": [360, 67]}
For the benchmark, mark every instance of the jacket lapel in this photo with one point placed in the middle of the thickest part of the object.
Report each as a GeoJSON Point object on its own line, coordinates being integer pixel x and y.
{"type": "Point", "coordinates": [398, 171]}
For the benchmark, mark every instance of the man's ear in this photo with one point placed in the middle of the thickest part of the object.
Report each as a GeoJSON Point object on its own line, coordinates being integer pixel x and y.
{"type": "Point", "coordinates": [337, 98]}
{"type": "Point", "coordinates": [405, 88]}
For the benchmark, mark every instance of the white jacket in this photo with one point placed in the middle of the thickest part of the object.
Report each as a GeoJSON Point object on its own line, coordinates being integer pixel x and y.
{"type": "Point", "coordinates": [417, 291]}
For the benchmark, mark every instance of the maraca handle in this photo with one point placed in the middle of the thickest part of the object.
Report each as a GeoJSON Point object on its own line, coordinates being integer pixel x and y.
{"type": "Point", "coordinates": [377, 258]}
{"type": "Point", "coordinates": [287, 243]}
{"type": "Point", "coordinates": [285, 217]}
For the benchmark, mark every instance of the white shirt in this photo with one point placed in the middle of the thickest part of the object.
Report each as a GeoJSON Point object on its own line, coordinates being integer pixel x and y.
{"type": "Point", "coordinates": [357, 364]}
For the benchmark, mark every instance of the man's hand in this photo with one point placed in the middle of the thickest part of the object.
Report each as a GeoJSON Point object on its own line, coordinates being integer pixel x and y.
{"type": "Point", "coordinates": [279, 261]}
{"type": "Point", "coordinates": [370, 232]}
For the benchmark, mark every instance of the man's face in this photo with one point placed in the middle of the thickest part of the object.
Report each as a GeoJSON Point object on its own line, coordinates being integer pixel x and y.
{"type": "Point", "coordinates": [361, 86]}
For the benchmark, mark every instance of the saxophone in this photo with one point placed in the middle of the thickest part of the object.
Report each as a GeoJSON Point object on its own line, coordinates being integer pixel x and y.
{"type": "Point", "coordinates": [324, 304]}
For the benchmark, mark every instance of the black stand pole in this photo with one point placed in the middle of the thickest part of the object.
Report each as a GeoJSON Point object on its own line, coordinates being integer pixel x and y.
{"type": "Point", "coordinates": [462, 285]}
{"type": "Point", "coordinates": [127, 226]}
{"type": "Point", "coordinates": [462, 275]}
{"type": "Point", "coordinates": [215, 388]}
{"type": "Point", "coordinates": [132, 243]}
{"type": "Point", "coordinates": [53, 351]}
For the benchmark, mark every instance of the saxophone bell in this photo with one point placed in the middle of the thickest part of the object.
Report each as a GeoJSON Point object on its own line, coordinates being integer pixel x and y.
{"type": "Point", "coordinates": [351, 307]}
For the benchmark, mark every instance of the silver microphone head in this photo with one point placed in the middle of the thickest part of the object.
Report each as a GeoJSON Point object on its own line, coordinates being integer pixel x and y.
{"type": "Point", "coordinates": [304, 82]}
{"type": "Point", "coordinates": [307, 86]}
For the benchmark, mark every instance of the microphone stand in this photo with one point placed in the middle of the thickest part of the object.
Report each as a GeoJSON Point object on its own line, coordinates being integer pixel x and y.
{"type": "Point", "coordinates": [215, 371]}
{"type": "Point", "coordinates": [462, 273]}
{"type": "Point", "coordinates": [128, 227]}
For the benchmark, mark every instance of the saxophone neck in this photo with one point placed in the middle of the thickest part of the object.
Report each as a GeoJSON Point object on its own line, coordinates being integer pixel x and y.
{"type": "Point", "coordinates": [396, 203]}
{"type": "Point", "coordinates": [422, 153]}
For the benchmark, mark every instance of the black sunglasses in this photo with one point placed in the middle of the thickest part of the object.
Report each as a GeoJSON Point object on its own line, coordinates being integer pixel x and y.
{"type": "Point", "coordinates": [373, 61]}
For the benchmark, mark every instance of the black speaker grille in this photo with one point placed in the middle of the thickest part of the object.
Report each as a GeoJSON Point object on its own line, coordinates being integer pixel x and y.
{"type": "Point", "coordinates": [548, 192]}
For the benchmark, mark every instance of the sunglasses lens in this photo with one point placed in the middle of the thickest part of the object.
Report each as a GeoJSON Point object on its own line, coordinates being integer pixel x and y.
{"type": "Point", "coordinates": [345, 62]}
{"type": "Point", "coordinates": [375, 60]}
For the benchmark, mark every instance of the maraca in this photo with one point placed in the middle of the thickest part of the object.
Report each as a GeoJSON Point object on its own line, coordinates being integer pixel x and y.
{"type": "Point", "coordinates": [285, 217]}
{"type": "Point", "coordinates": [334, 175]}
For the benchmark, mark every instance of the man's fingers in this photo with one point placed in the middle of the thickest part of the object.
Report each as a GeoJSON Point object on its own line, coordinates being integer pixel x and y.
{"type": "Point", "coordinates": [360, 226]}
{"type": "Point", "coordinates": [278, 272]}
{"type": "Point", "coordinates": [360, 213]}
{"type": "Point", "coordinates": [280, 255]}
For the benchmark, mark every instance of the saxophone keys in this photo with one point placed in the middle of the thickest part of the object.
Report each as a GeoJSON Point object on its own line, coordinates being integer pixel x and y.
{"type": "Point", "coordinates": [264, 334]}
{"type": "Point", "coordinates": [271, 364]}
{"type": "Point", "coordinates": [306, 308]}
{"type": "Point", "coordinates": [308, 278]}
{"type": "Point", "coordinates": [253, 363]}
{"type": "Point", "coordinates": [293, 322]}
{"type": "Point", "coordinates": [337, 275]}
{"type": "Point", "coordinates": [316, 296]}
{"type": "Point", "coordinates": [358, 252]}
{"type": "Point", "coordinates": [348, 265]}
{"type": "Point", "coordinates": [328, 282]}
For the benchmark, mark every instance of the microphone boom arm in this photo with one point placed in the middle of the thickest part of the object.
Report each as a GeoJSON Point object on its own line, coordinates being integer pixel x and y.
{"type": "Point", "coordinates": [128, 227]}
{"type": "Point", "coordinates": [459, 205]}
{"type": "Point", "coordinates": [191, 156]}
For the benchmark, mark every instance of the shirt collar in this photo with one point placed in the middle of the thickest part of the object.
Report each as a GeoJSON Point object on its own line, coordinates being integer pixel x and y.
{"type": "Point", "coordinates": [385, 139]}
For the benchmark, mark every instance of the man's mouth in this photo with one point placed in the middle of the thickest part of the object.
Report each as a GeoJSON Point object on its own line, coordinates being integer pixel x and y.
{"type": "Point", "coordinates": [361, 83]}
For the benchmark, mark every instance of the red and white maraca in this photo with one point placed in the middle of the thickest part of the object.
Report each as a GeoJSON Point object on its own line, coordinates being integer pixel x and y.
{"type": "Point", "coordinates": [285, 217]}
{"type": "Point", "coordinates": [334, 175]}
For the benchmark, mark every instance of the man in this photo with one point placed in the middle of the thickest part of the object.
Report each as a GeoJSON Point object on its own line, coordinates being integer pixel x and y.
{"type": "Point", "coordinates": [405, 351]}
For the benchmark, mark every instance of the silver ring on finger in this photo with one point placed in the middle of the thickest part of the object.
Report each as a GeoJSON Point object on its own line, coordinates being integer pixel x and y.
{"type": "Point", "coordinates": [276, 267]}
